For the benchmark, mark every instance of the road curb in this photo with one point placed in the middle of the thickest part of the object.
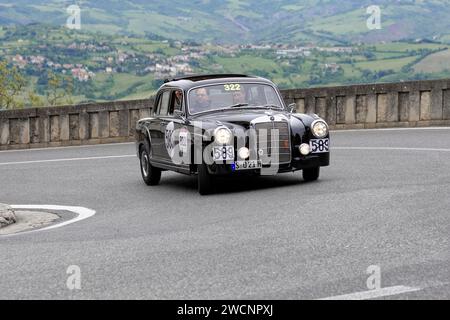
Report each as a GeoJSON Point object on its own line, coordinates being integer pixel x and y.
{"type": "Point", "coordinates": [7, 215]}
{"type": "Point", "coordinates": [27, 221]}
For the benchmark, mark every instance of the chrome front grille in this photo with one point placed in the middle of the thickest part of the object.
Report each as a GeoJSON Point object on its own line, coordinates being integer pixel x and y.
{"type": "Point", "coordinates": [264, 144]}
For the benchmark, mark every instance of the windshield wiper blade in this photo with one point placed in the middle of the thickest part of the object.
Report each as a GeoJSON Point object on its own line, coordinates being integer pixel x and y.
{"type": "Point", "coordinates": [267, 106]}
{"type": "Point", "coordinates": [237, 105]}
{"type": "Point", "coordinates": [271, 106]}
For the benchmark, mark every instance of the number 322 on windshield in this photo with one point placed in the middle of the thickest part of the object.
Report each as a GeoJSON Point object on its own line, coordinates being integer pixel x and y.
{"type": "Point", "coordinates": [232, 87]}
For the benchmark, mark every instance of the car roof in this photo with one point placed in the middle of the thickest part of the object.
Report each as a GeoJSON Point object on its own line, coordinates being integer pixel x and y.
{"type": "Point", "coordinates": [189, 82]}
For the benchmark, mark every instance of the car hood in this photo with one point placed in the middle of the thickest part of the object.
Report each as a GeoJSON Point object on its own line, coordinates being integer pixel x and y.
{"type": "Point", "coordinates": [241, 118]}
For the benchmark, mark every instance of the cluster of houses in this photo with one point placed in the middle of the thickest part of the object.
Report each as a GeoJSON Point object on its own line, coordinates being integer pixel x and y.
{"type": "Point", "coordinates": [308, 50]}
{"type": "Point", "coordinates": [162, 71]}
{"type": "Point", "coordinates": [78, 71]}
{"type": "Point", "coordinates": [86, 47]}
{"type": "Point", "coordinates": [161, 65]}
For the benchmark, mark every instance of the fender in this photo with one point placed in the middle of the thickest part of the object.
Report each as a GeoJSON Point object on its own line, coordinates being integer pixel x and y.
{"type": "Point", "coordinates": [297, 131]}
{"type": "Point", "coordinates": [307, 119]}
{"type": "Point", "coordinates": [142, 135]}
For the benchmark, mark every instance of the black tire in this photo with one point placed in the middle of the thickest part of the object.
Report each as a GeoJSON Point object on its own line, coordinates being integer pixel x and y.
{"type": "Point", "coordinates": [150, 174]}
{"type": "Point", "coordinates": [311, 174]}
{"type": "Point", "coordinates": [205, 180]}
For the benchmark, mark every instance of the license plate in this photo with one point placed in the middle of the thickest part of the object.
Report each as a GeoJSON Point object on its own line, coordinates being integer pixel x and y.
{"type": "Point", "coordinates": [245, 165]}
{"type": "Point", "coordinates": [223, 153]}
{"type": "Point", "coordinates": [319, 145]}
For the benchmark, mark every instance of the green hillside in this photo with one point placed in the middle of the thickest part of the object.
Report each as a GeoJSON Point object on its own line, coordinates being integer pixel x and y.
{"type": "Point", "coordinates": [231, 21]}
{"type": "Point", "coordinates": [101, 67]}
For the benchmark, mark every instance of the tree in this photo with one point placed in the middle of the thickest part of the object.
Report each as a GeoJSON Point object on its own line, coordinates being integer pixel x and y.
{"type": "Point", "coordinates": [11, 84]}
{"type": "Point", "coordinates": [34, 100]}
{"type": "Point", "coordinates": [59, 87]}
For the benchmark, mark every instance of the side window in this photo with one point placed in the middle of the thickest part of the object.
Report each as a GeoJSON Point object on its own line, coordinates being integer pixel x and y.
{"type": "Point", "coordinates": [157, 105]}
{"type": "Point", "coordinates": [164, 103]}
{"type": "Point", "coordinates": [176, 101]}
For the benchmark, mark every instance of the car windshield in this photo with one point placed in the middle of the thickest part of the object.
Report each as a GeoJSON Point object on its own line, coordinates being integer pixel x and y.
{"type": "Point", "coordinates": [233, 95]}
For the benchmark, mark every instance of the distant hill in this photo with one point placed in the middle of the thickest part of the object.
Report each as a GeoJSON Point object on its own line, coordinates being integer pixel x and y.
{"type": "Point", "coordinates": [100, 67]}
{"type": "Point", "coordinates": [239, 21]}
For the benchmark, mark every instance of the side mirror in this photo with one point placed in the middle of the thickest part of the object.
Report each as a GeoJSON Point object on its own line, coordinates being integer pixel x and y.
{"type": "Point", "coordinates": [292, 107]}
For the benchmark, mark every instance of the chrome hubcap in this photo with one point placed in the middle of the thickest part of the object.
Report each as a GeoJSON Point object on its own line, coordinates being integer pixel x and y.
{"type": "Point", "coordinates": [145, 163]}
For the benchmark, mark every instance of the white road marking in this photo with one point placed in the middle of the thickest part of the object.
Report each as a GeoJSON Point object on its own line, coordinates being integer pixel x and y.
{"type": "Point", "coordinates": [390, 129]}
{"type": "Point", "coordinates": [66, 159]}
{"type": "Point", "coordinates": [82, 213]}
{"type": "Point", "coordinates": [125, 143]}
{"type": "Point", "coordinates": [390, 148]}
{"type": "Point", "coordinates": [133, 155]}
{"type": "Point", "coordinates": [372, 294]}
{"type": "Point", "coordinates": [68, 147]}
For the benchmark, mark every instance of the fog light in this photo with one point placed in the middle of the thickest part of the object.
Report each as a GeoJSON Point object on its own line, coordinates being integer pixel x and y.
{"type": "Point", "coordinates": [243, 153]}
{"type": "Point", "coordinates": [304, 149]}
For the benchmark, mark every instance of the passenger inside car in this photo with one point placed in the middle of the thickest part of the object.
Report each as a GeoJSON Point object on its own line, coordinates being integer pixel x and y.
{"type": "Point", "coordinates": [239, 97]}
{"type": "Point", "coordinates": [176, 101]}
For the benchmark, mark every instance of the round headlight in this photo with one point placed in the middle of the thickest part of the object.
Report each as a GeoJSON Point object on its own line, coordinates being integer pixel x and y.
{"type": "Point", "coordinates": [222, 135]}
{"type": "Point", "coordinates": [319, 129]}
{"type": "Point", "coordinates": [305, 149]}
{"type": "Point", "coordinates": [243, 153]}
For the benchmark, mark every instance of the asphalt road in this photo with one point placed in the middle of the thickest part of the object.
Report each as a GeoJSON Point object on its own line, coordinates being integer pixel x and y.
{"type": "Point", "coordinates": [384, 201]}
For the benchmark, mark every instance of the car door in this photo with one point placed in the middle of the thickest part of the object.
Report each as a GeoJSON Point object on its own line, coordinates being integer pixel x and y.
{"type": "Point", "coordinates": [157, 126]}
{"type": "Point", "coordinates": [170, 125]}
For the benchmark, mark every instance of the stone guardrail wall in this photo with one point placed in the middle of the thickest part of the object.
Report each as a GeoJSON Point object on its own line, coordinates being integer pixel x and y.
{"type": "Point", "coordinates": [406, 104]}
{"type": "Point", "coordinates": [71, 125]}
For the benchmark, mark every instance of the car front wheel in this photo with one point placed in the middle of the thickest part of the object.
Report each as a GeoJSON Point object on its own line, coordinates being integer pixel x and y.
{"type": "Point", "coordinates": [311, 174]}
{"type": "Point", "coordinates": [205, 180]}
{"type": "Point", "coordinates": [150, 174]}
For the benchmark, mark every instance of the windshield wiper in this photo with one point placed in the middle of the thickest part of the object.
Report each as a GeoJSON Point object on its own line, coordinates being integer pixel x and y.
{"type": "Point", "coordinates": [237, 105]}
{"type": "Point", "coordinates": [266, 106]}
{"type": "Point", "coordinates": [271, 106]}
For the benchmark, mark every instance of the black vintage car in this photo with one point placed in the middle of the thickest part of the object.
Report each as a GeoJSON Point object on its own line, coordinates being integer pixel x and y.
{"type": "Point", "coordinates": [228, 124]}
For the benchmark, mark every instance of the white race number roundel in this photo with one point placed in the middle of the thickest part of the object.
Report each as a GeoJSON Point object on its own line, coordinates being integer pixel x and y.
{"type": "Point", "coordinates": [170, 139]}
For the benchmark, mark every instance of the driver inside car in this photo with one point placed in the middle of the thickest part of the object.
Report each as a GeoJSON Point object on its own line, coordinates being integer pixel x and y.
{"type": "Point", "coordinates": [202, 101]}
